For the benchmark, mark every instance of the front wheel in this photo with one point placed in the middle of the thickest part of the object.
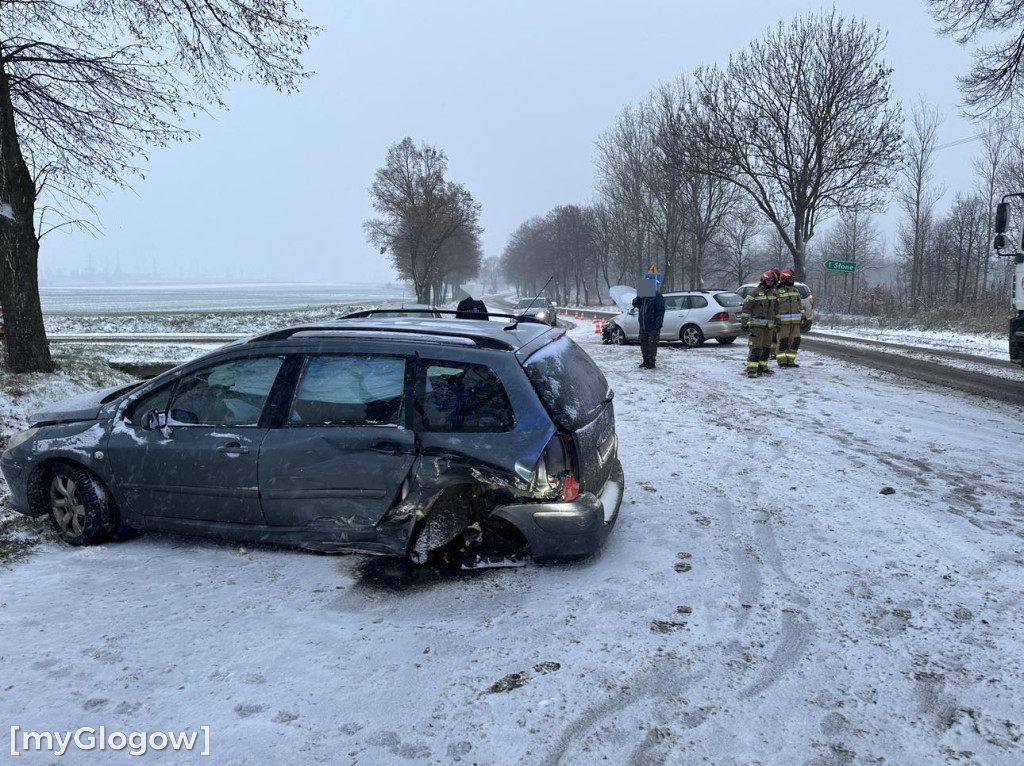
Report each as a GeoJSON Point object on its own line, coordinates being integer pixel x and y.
{"type": "Point", "coordinates": [691, 336]}
{"type": "Point", "coordinates": [618, 336]}
{"type": "Point", "coordinates": [80, 508]}
{"type": "Point", "coordinates": [726, 341]}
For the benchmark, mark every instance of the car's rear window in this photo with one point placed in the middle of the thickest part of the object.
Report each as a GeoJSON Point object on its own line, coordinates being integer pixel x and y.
{"type": "Point", "coordinates": [728, 299]}
{"type": "Point", "coordinates": [572, 387]}
{"type": "Point", "coordinates": [803, 290]}
{"type": "Point", "coordinates": [456, 397]}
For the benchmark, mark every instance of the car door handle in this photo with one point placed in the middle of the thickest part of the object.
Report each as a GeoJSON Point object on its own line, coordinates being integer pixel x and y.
{"type": "Point", "coordinates": [233, 448]}
{"type": "Point", "coordinates": [387, 448]}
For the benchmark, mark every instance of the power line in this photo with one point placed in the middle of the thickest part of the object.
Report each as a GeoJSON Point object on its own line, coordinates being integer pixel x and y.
{"type": "Point", "coordinates": [960, 141]}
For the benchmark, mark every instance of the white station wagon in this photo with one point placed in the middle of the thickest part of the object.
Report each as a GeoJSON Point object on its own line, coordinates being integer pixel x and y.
{"type": "Point", "coordinates": [691, 317]}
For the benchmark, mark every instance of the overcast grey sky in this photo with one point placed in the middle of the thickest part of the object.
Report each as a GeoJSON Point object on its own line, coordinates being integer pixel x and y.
{"type": "Point", "coordinates": [516, 93]}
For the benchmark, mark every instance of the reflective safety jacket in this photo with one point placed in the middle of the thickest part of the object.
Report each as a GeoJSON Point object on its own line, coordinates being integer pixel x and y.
{"type": "Point", "coordinates": [759, 307]}
{"type": "Point", "coordinates": [789, 309]}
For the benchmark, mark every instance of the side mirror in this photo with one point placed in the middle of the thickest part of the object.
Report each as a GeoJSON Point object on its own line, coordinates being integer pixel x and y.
{"type": "Point", "coordinates": [1002, 217]}
{"type": "Point", "coordinates": [1000, 242]}
{"type": "Point", "coordinates": [155, 419]}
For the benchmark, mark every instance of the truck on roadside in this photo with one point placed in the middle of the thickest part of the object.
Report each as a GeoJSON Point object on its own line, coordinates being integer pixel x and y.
{"type": "Point", "coordinates": [1016, 332]}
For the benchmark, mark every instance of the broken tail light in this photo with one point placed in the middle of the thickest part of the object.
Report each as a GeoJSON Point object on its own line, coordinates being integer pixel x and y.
{"type": "Point", "coordinates": [559, 468]}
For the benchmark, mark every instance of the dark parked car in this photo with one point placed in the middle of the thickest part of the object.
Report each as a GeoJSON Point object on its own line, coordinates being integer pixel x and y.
{"type": "Point", "coordinates": [378, 435]}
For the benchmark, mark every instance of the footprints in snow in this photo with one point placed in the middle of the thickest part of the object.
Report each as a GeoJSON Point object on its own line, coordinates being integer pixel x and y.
{"type": "Point", "coordinates": [516, 680]}
{"type": "Point", "coordinates": [671, 626]}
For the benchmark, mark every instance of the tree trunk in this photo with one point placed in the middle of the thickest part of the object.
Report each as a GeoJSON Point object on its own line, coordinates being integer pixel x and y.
{"type": "Point", "coordinates": [27, 347]}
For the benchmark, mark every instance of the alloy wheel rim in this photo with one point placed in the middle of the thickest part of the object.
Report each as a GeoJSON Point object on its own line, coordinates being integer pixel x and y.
{"type": "Point", "coordinates": [68, 509]}
{"type": "Point", "coordinates": [690, 337]}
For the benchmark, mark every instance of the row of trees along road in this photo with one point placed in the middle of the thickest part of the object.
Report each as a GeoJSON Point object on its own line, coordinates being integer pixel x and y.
{"type": "Point", "coordinates": [86, 87]}
{"type": "Point", "coordinates": [796, 127]}
{"type": "Point", "coordinates": [427, 224]}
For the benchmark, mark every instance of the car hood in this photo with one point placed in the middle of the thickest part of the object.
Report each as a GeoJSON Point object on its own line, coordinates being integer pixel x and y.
{"type": "Point", "coordinates": [623, 296]}
{"type": "Point", "coordinates": [82, 407]}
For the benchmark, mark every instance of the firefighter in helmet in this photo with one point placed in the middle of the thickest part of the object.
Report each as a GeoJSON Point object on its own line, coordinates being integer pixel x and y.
{"type": "Point", "coordinates": [758, 316]}
{"type": "Point", "coordinates": [789, 315]}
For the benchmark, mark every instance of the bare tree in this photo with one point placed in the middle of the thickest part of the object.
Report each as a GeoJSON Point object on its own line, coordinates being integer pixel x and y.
{"type": "Point", "coordinates": [663, 185]}
{"type": "Point", "coordinates": [917, 195]}
{"type": "Point", "coordinates": [419, 211]}
{"type": "Point", "coordinates": [995, 76]}
{"type": "Point", "coordinates": [85, 87]}
{"type": "Point", "coordinates": [801, 122]}
{"type": "Point", "coordinates": [490, 273]}
{"type": "Point", "coordinates": [623, 154]}
{"type": "Point", "coordinates": [736, 241]}
{"type": "Point", "coordinates": [960, 246]}
{"type": "Point", "coordinates": [988, 169]}
{"type": "Point", "coordinates": [854, 237]}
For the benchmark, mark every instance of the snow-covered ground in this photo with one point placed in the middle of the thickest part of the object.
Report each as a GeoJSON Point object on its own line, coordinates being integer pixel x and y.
{"type": "Point", "coordinates": [130, 299]}
{"type": "Point", "coordinates": [977, 344]}
{"type": "Point", "coordinates": [760, 602]}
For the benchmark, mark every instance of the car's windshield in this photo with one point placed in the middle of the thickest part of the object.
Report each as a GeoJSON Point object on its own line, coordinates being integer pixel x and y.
{"type": "Point", "coordinates": [803, 290]}
{"type": "Point", "coordinates": [728, 299]}
{"type": "Point", "coordinates": [525, 303]}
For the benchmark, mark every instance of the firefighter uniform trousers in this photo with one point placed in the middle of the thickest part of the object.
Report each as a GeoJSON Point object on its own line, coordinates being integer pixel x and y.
{"type": "Point", "coordinates": [789, 315]}
{"type": "Point", "coordinates": [759, 347]}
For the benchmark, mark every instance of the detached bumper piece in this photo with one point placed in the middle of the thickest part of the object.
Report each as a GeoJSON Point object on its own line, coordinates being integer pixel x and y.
{"type": "Point", "coordinates": [563, 531]}
{"type": "Point", "coordinates": [16, 475]}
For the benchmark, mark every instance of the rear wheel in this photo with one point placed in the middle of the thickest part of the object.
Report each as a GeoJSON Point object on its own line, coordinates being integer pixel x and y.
{"type": "Point", "coordinates": [691, 336]}
{"type": "Point", "coordinates": [80, 508]}
{"type": "Point", "coordinates": [726, 341]}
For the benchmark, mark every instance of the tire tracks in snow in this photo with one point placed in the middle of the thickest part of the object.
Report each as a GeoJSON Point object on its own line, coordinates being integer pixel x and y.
{"type": "Point", "coordinates": [795, 629]}
{"type": "Point", "coordinates": [751, 551]}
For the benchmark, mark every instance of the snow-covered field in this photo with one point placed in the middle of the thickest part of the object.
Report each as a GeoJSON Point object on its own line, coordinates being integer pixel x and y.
{"type": "Point", "coordinates": [977, 344]}
{"type": "Point", "coordinates": [129, 299]}
{"type": "Point", "coordinates": [760, 602]}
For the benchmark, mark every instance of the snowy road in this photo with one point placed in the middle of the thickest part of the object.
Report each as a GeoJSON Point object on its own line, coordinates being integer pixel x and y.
{"type": "Point", "coordinates": [760, 602]}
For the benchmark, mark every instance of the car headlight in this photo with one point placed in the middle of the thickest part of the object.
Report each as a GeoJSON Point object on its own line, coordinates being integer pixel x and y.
{"type": "Point", "coordinates": [21, 437]}
{"type": "Point", "coordinates": [542, 315]}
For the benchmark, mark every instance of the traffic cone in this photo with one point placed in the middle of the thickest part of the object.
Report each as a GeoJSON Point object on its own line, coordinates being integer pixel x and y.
{"type": "Point", "coordinates": [603, 322]}
{"type": "Point", "coordinates": [597, 327]}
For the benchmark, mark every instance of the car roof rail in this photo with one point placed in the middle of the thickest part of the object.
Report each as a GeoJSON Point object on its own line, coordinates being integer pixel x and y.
{"type": "Point", "coordinates": [443, 312]}
{"type": "Point", "coordinates": [336, 329]}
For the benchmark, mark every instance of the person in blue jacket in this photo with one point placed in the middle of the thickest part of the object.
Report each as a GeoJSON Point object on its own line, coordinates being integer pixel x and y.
{"type": "Point", "coordinates": [651, 313]}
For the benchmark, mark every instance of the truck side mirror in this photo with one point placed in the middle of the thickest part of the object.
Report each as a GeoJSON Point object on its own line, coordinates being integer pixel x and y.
{"type": "Point", "coordinates": [1002, 217]}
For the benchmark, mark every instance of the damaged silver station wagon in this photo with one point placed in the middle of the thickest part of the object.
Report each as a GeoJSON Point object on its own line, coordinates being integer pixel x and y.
{"type": "Point", "coordinates": [381, 435]}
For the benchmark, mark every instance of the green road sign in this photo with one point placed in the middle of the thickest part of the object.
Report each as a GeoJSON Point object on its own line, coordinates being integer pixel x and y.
{"type": "Point", "coordinates": [850, 266]}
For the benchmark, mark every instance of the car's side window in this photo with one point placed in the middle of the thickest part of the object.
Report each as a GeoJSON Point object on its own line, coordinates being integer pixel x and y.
{"type": "Point", "coordinates": [674, 302]}
{"type": "Point", "coordinates": [457, 397]}
{"type": "Point", "coordinates": [227, 394]}
{"type": "Point", "coordinates": [698, 301]}
{"type": "Point", "coordinates": [349, 390]}
{"type": "Point", "coordinates": [158, 399]}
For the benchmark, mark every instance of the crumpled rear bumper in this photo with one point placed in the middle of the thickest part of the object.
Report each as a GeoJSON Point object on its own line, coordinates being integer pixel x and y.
{"type": "Point", "coordinates": [562, 531]}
